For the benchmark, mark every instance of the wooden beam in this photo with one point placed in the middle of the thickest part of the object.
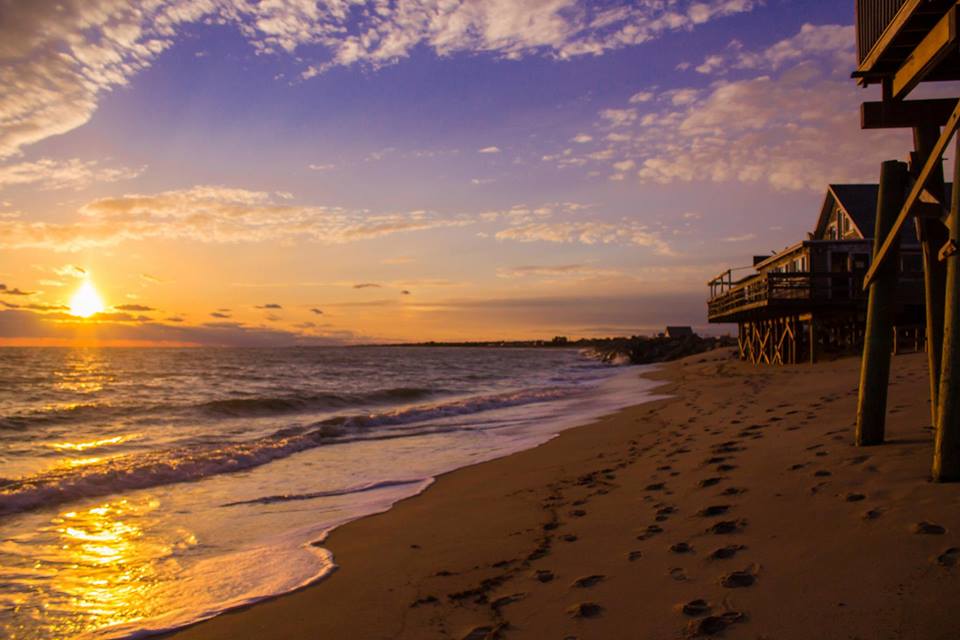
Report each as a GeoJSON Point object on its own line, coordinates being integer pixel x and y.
{"type": "Point", "coordinates": [939, 42]}
{"type": "Point", "coordinates": [933, 162]}
{"type": "Point", "coordinates": [906, 115]}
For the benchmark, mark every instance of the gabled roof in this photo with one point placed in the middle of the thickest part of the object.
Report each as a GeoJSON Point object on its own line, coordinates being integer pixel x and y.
{"type": "Point", "coordinates": [859, 201]}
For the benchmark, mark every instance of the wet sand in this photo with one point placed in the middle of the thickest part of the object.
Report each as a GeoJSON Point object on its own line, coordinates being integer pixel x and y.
{"type": "Point", "coordinates": [739, 508]}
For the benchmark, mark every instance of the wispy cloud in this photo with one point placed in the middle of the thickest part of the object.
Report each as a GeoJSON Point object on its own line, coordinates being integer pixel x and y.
{"type": "Point", "coordinates": [561, 271]}
{"type": "Point", "coordinates": [565, 223]}
{"type": "Point", "coordinates": [62, 174]}
{"type": "Point", "coordinates": [60, 58]}
{"type": "Point", "coordinates": [211, 214]}
{"type": "Point", "coordinates": [784, 115]}
{"type": "Point", "coordinates": [4, 290]}
{"type": "Point", "coordinates": [133, 307]}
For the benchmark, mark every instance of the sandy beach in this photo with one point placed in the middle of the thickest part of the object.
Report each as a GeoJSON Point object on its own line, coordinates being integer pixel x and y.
{"type": "Point", "coordinates": [737, 507]}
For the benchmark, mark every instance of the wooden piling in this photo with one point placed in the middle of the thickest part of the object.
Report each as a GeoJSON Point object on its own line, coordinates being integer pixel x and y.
{"type": "Point", "coordinates": [946, 453]}
{"type": "Point", "coordinates": [932, 235]}
{"type": "Point", "coordinates": [878, 339]}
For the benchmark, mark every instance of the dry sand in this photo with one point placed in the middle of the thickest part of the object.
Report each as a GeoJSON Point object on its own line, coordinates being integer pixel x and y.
{"type": "Point", "coordinates": [741, 497]}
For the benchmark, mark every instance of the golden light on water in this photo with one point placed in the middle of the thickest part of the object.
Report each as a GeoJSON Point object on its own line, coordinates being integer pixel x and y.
{"type": "Point", "coordinates": [90, 444]}
{"type": "Point", "coordinates": [86, 301]}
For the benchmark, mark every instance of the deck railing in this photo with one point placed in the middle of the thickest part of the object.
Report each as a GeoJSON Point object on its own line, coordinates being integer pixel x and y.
{"type": "Point", "coordinates": [872, 19]}
{"type": "Point", "coordinates": [770, 288]}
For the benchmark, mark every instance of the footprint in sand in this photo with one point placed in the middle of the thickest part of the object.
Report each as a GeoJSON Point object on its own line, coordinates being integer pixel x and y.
{"type": "Point", "coordinates": [723, 468]}
{"type": "Point", "coordinates": [585, 610]}
{"type": "Point", "coordinates": [949, 558]}
{"type": "Point", "coordinates": [588, 581]}
{"type": "Point", "coordinates": [651, 531]}
{"type": "Point", "coordinates": [485, 633]}
{"type": "Point", "coordinates": [712, 625]}
{"type": "Point", "coordinates": [872, 514]}
{"type": "Point", "coordinates": [738, 580]}
{"type": "Point", "coordinates": [727, 552]}
{"type": "Point", "coordinates": [423, 601]}
{"type": "Point", "coordinates": [544, 575]}
{"type": "Point", "coordinates": [681, 547]}
{"type": "Point", "coordinates": [695, 608]}
{"type": "Point", "coordinates": [678, 574]}
{"type": "Point", "coordinates": [855, 497]}
{"type": "Point", "coordinates": [732, 491]}
{"type": "Point", "coordinates": [713, 510]}
{"type": "Point", "coordinates": [726, 526]}
{"type": "Point", "coordinates": [505, 600]}
{"type": "Point", "coordinates": [634, 555]}
{"type": "Point", "coordinates": [822, 473]}
{"type": "Point", "coordinates": [929, 528]}
{"type": "Point", "coordinates": [708, 482]}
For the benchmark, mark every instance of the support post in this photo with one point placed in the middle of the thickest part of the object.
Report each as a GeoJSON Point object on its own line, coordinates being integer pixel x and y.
{"type": "Point", "coordinates": [932, 235]}
{"type": "Point", "coordinates": [877, 342]}
{"type": "Point", "coordinates": [812, 339]}
{"type": "Point", "coordinates": [946, 452]}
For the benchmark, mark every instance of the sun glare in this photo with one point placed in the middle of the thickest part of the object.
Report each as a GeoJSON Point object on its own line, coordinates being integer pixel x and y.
{"type": "Point", "coordinates": [86, 301]}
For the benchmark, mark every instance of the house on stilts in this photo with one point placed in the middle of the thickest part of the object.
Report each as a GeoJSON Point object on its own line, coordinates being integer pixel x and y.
{"type": "Point", "coordinates": [808, 299]}
{"type": "Point", "coordinates": [901, 45]}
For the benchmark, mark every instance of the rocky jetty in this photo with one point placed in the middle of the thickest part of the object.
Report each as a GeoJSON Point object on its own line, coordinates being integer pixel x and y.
{"type": "Point", "coordinates": [644, 350]}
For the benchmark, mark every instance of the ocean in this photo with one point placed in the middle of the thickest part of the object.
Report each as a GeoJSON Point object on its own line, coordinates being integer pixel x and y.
{"type": "Point", "coordinates": [145, 489]}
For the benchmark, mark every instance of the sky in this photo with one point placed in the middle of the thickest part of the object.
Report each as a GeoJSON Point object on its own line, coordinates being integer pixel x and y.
{"type": "Point", "coordinates": [230, 172]}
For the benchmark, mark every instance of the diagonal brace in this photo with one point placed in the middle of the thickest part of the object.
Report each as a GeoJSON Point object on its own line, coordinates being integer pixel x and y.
{"type": "Point", "coordinates": [935, 157]}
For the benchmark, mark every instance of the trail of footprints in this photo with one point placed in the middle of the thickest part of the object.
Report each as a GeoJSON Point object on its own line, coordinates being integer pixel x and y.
{"type": "Point", "coordinates": [721, 525]}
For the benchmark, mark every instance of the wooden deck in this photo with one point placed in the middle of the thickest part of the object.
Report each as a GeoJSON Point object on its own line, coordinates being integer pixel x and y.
{"type": "Point", "coordinates": [772, 294]}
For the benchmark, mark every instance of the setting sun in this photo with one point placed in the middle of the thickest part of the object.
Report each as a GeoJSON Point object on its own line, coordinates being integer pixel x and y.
{"type": "Point", "coordinates": [86, 301]}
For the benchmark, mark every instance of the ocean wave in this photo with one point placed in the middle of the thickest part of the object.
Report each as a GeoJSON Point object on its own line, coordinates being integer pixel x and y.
{"type": "Point", "coordinates": [184, 464]}
{"type": "Point", "coordinates": [58, 414]}
{"type": "Point", "coordinates": [250, 407]}
{"type": "Point", "coordinates": [294, 403]}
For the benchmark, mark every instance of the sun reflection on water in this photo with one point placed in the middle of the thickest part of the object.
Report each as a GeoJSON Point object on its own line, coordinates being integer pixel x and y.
{"type": "Point", "coordinates": [101, 566]}
{"type": "Point", "coordinates": [90, 444]}
{"type": "Point", "coordinates": [84, 371]}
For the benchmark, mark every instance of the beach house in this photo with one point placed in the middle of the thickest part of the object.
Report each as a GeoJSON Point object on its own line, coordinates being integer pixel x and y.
{"type": "Point", "coordinates": [808, 299]}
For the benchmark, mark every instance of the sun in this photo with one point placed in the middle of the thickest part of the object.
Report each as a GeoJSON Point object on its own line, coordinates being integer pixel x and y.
{"type": "Point", "coordinates": [86, 301]}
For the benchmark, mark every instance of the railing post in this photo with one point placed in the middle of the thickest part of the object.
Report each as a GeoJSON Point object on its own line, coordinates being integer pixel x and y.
{"type": "Point", "coordinates": [875, 367]}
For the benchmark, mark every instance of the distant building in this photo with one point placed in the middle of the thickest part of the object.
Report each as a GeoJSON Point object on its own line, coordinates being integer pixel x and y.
{"type": "Point", "coordinates": [810, 296]}
{"type": "Point", "coordinates": [679, 332]}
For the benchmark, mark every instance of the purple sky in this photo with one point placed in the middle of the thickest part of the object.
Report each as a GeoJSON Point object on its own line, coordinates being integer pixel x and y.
{"type": "Point", "coordinates": [497, 169]}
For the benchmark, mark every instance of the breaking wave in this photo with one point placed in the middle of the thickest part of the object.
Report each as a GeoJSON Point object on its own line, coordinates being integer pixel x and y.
{"type": "Point", "coordinates": [191, 463]}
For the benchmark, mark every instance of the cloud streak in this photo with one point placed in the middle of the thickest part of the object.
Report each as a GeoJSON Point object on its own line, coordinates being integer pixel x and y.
{"type": "Point", "coordinates": [213, 214]}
